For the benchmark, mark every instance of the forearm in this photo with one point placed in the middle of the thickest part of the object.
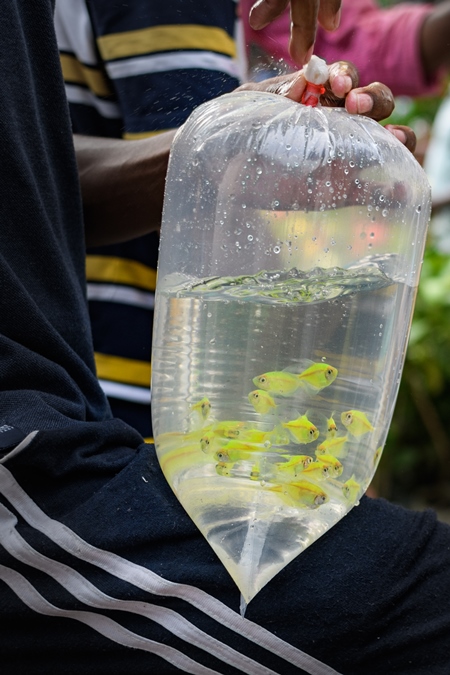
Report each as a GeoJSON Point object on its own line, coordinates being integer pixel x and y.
{"type": "Point", "coordinates": [122, 185]}
{"type": "Point", "coordinates": [435, 39]}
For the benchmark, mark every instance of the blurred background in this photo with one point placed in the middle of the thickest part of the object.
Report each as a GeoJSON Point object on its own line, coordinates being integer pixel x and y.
{"type": "Point", "coordinates": [415, 467]}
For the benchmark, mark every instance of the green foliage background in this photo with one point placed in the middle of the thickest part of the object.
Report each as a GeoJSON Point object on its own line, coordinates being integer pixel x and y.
{"type": "Point", "coordinates": [415, 467]}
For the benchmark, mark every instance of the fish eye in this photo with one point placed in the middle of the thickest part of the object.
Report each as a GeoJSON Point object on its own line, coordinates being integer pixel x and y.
{"type": "Point", "coordinates": [263, 379]}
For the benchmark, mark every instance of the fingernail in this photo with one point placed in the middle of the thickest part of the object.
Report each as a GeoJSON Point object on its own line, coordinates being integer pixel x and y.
{"type": "Point", "coordinates": [398, 133]}
{"type": "Point", "coordinates": [308, 55]}
{"type": "Point", "coordinates": [364, 103]}
{"type": "Point", "coordinates": [337, 18]}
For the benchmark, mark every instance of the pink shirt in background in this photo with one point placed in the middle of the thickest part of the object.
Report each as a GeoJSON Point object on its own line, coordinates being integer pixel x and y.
{"type": "Point", "coordinates": [384, 44]}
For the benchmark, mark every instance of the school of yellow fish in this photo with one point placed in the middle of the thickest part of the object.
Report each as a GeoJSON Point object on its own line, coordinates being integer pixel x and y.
{"type": "Point", "coordinates": [240, 450]}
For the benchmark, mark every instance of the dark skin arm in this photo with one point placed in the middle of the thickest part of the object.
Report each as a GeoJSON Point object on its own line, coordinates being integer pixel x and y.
{"type": "Point", "coordinates": [122, 185]}
{"type": "Point", "coordinates": [122, 182]}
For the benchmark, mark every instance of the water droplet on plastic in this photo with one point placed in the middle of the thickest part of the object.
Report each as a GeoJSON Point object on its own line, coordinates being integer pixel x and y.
{"type": "Point", "coordinates": [276, 249]}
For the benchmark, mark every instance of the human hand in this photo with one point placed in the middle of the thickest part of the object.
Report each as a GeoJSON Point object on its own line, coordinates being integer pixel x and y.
{"type": "Point", "coordinates": [375, 100]}
{"type": "Point", "coordinates": [305, 15]}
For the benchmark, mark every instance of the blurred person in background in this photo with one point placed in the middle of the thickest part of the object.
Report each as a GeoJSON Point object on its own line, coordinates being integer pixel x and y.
{"type": "Point", "coordinates": [132, 71]}
{"type": "Point", "coordinates": [405, 46]}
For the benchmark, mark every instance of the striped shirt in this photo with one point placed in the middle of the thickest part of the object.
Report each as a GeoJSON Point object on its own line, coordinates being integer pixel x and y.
{"type": "Point", "coordinates": [132, 70]}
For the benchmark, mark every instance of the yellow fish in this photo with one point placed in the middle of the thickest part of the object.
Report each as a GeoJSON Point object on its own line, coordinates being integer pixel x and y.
{"type": "Point", "coordinates": [278, 382]}
{"type": "Point", "coordinates": [284, 383]}
{"type": "Point", "coordinates": [231, 456]}
{"type": "Point", "coordinates": [235, 451]}
{"type": "Point", "coordinates": [256, 436]}
{"type": "Point", "coordinates": [261, 401]}
{"type": "Point", "coordinates": [319, 375]}
{"type": "Point", "coordinates": [255, 473]}
{"type": "Point", "coordinates": [203, 408]}
{"type": "Point", "coordinates": [207, 442]}
{"type": "Point", "coordinates": [295, 464]}
{"type": "Point", "coordinates": [334, 464]}
{"type": "Point", "coordinates": [228, 429]}
{"type": "Point", "coordinates": [351, 489]}
{"type": "Point", "coordinates": [356, 422]}
{"type": "Point", "coordinates": [224, 469]}
{"type": "Point", "coordinates": [302, 430]}
{"type": "Point", "coordinates": [303, 493]}
{"type": "Point", "coordinates": [317, 471]}
{"type": "Point", "coordinates": [333, 446]}
{"type": "Point", "coordinates": [331, 427]}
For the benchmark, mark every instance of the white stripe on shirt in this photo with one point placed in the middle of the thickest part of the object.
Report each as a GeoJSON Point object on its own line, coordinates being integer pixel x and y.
{"type": "Point", "coordinates": [148, 581]}
{"type": "Point", "coordinates": [179, 60]}
{"type": "Point", "coordinates": [76, 94]}
{"type": "Point", "coordinates": [82, 589]}
{"type": "Point", "coordinates": [74, 30]}
{"type": "Point", "coordinates": [122, 294]}
{"type": "Point", "coordinates": [126, 392]}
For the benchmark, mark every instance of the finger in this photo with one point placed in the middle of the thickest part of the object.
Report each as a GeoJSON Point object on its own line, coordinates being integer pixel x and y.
{"type": "Point", "coordinates": [303, 29]}
{"type": "Point", "coordinates": [291, 86]}
{"type": "Point", "coordinates": [404, 134]}
{"type": "Point", "coordinates": [343, 78]}
{"type": "Point", "coordinates": [330, 14]}
{"type": "Point", "coordinates": [375, 101]}
{"type": "Point", "coordinates": [265, 11]}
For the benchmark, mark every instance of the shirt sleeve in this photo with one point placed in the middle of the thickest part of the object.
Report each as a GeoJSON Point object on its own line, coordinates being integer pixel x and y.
{"type": "Point", "coordinates": [164, 60]}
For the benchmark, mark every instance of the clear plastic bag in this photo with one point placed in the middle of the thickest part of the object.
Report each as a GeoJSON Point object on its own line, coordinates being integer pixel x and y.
{"type": "Point", "coordinates": [291, 247]}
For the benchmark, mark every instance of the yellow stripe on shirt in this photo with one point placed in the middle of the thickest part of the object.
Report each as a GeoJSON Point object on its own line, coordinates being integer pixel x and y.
{"type": "Point", "coordinates": [166, 38]}
{"type": "Point", "coordinates": [120, 271]}
{"type": "Point", "coordinates": [136, 136]}
{"type": "Point", "coordinates": [120, 369]}
{"type": "Point", "coordinates": [77, 73]}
